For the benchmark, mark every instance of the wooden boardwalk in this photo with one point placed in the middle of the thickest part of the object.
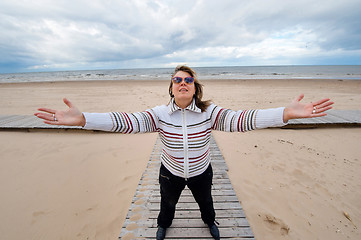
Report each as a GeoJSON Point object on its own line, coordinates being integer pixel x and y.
{"type": "Point", "coordinates": [141, 221]}
{"type": "Point", "coordinates": [335, 118]}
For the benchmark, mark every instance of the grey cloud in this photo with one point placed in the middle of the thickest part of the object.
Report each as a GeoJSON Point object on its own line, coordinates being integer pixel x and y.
{"type": "Point", "coordinates": [48, 32]}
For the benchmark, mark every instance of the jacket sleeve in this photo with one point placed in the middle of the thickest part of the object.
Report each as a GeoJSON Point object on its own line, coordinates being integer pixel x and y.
{"type": "Point", "coordinates": [245, 120]}
{"type": "Point", "coordinates": [138, 122]}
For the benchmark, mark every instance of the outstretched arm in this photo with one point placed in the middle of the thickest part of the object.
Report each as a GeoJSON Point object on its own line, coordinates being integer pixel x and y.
{"type": "Point", "coordinates": [69, 117]}
{"type": "Point", "coordinates": [308, 110]}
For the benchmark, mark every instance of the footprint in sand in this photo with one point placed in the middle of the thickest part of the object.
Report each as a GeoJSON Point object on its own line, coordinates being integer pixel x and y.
{"type": "Point", "coordinates": [275, 224]}
{"type": "Point", "coordinates": [39, 213]}
{"type": "Point", "coordinates": [36, 215]}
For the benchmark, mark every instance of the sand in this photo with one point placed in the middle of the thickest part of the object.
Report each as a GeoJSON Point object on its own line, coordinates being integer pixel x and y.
{"type": "Point", "coordinates": [292, 184]}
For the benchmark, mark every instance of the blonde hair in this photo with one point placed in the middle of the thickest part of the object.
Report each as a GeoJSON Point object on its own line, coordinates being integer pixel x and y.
{"type": "Point", "coordinates": [203, 105]}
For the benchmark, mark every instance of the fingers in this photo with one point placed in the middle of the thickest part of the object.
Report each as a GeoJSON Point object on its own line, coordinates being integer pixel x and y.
{"type": "Point", "coordinates": [49, 118]}
{"type": "Point", "coordinates": [322, 105]}
{"type": "Point", "coordinates": [48, 110]}
{"type": "Point", "coordinates": [53, 122]}
{"type": "Point", "coordinates": [53, 111]}
{"type": "Point", "coordinates": [68, 103]}
{"type": "Point", "coordinates": [319, 102]}
{"type": "Point", "coordinates": [321, 110]}
{"type": "Point", "coordinates": [45, 116]}
{"type": "Point", "coordinates": [48, 114]}
{"type": "Point", "coordinates": [299, 98]}
{"type": "Point", "coordinates": [318, 114]}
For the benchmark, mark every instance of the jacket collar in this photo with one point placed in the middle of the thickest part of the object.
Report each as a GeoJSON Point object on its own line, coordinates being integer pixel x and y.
{"type": "Point", "coordinates": [191, 107]}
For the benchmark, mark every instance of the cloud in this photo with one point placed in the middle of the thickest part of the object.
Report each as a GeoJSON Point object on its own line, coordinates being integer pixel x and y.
{"type": "Point", "coordinates": [80, 34]}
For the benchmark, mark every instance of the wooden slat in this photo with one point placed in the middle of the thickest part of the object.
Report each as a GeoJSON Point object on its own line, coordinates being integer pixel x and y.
{"type": "Point", "coordinates": [194, 222]}
{"type": "Point", "coordinates": [186, 214]}
{"type": "Point", "coordinates": [141, 221]}
{"type": "Point", "coordinates": [187, 193]}
{"type": "Point", "coordinates": [193, 205]}
{"type": "Point", "coordinates": [190, 233]}
{"type": "Point", "coordinates": [220, 186]}
{"type": "Point", "coordinates": [189, 198]}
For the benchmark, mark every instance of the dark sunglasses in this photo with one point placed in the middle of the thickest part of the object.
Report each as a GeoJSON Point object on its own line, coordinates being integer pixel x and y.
{"type": "Point", "coordinates": [188, 80]}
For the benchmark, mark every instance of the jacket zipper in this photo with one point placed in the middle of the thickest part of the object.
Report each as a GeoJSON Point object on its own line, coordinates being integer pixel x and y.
{"type": "Point", "coordinates": [185, 145]}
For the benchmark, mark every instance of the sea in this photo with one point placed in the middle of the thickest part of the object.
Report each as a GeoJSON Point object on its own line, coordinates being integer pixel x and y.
{"type": "Point", "coordinates": [342, 72]}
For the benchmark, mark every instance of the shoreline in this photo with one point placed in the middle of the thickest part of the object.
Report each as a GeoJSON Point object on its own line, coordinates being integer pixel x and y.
{"type": "Point", "coordinates": [220, 72]}
{"type": "Point", "coordinates": [135, 80]}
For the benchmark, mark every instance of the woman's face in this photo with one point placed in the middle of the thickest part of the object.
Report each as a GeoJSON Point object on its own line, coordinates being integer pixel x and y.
{"type": "Point", "coordinates": [183, 91]}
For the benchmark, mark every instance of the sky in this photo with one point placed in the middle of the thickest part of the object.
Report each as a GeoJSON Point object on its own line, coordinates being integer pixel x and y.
{"type": "Point", "coordinates": [49, 35]}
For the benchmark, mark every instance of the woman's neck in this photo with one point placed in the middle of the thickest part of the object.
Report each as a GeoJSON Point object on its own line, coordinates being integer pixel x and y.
{"type": "Point", "coordinates": [183, 103]}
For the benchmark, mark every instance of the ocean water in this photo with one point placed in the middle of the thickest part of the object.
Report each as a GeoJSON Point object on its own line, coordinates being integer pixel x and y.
{"type": "Point", "coordinates": [350, 72]}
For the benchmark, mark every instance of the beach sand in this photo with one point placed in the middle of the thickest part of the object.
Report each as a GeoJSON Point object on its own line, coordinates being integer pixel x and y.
{"type": "Point", "coordinates": [292, 184]}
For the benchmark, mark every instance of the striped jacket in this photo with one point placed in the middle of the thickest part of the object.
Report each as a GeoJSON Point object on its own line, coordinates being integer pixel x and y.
{"type": "Point", "coordinates": [185, 133]}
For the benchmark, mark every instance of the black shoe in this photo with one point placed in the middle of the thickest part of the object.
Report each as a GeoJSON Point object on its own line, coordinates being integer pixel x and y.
{"type": "Point", "coordinates": [161, 233]}
{"type": "Point", "coordinates": [214, 231]}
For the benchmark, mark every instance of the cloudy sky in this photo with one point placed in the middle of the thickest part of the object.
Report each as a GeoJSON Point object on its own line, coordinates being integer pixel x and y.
{"type": "Point", "coordinates": [43, 35]}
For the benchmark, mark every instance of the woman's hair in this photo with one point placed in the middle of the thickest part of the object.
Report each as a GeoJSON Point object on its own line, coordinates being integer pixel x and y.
{"type": "Point", "coordinates": [203, 105]}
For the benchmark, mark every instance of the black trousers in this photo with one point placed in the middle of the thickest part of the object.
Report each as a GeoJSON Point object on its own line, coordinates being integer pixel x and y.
{"type": "Point", "coordinates": [171, 188]}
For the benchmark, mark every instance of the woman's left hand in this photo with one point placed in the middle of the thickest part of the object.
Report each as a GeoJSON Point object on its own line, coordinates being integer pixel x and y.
{"type": "Point", "coordinates": [309, 110]}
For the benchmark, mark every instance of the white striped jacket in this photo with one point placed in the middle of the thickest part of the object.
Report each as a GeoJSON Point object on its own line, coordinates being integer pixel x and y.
{"type": "Point", "coordinates": [185, 133]}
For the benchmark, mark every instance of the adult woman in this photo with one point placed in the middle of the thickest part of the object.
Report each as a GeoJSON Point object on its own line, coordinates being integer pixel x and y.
{"type": "Point", "coordinates": [184, 126]}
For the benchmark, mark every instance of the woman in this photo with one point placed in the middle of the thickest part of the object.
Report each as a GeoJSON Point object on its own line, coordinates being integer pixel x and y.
{"type": "Point", "coordinates": [185, 126]}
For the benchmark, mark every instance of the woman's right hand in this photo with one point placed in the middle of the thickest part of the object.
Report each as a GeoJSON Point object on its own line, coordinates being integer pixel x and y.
{"type": "Point", "coordinates": [69, 117]}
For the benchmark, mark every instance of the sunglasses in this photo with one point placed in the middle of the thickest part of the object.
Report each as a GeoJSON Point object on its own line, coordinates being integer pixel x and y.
{"type": "Point", "coordinates": [188, 80]}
